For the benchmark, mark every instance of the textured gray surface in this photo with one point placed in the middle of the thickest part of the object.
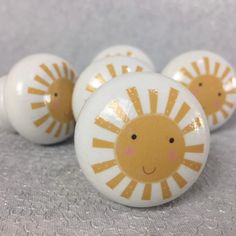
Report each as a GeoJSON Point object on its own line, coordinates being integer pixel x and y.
{"type": "Point", "coordinates": [42, 189]}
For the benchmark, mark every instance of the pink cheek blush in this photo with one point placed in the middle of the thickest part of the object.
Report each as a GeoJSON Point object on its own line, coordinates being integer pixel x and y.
{"type": "Point", "coordinates": [55, 105]}
{"type": "Point", "coordinates": [172, 155]}
{"type": "Point", "coordinates": [129, 151]}
{"type": "Point", "coordinates": [217, 104]}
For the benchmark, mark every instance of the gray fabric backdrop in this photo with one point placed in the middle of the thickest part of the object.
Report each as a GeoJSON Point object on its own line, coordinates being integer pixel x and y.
{"type": "Point", "coordinates": [42, 189]}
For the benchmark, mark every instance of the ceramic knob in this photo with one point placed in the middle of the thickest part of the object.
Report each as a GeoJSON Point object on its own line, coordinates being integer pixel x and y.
{"type": "Point", "coordinates": [211, 79]}
{"type": "Point", "coordinates": [142, 139]}
{"type": "Point", "coordinates": [37, 98]}
{"type": "Point", "coordinates": [99, 73]}
{"type": "Point", "coordinates": [126, 50]}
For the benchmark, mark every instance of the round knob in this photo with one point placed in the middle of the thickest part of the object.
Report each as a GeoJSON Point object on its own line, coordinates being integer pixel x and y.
{"type": "Point", "coordinates": [142, 139]}
{"type": "Point", "coordinates": [211, 79]}
{"type": "Point", "coordinates": [38, 94]}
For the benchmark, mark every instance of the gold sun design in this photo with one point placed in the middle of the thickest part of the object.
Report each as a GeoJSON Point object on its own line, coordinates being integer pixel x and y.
{"type": "Point", "coordinates": [99, 79]}
{"type": "Point", "coordinates": [151, 147]}
{"type": "Point", "coordinates": [211, 89]}
{"type": "Point", "coordinates": [56, 97]}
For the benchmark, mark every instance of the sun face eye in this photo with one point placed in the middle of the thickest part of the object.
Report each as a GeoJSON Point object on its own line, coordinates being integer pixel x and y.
{"type": "Point", "coordinates": [200, 84]}
{"type": "Point", "coordinates": [134, 136]}
{"type": "Point", "coordinates": [171, 140]}
{"type": "Point", "coordinates": [219, 94]}
{"type": "Point", "coordinates": [55, 94]}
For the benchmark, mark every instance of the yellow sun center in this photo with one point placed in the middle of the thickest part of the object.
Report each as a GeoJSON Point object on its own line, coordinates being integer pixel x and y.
{"type": "Point", "coordinates": [60, 103]}
{"type": "Point", "coordinates": [150, 148]}
{"type": "Point", "coordinates": [209, 91]}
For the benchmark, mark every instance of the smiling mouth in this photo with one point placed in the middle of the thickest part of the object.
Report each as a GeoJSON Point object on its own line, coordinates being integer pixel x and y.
{"type": "Point", "coordinates": [149, 172]}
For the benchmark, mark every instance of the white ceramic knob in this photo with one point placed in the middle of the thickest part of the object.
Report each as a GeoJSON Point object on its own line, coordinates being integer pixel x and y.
{"type": "Point", "coordinates": [4, 120]}
{"type": "Point", "coordinates": [211, 79]}
{"type": "Point", "coordinates": [142, 139]}
{"type": "Point", "coordinates": [38, 94]}
{"type": "Point", "coordinates": [126, 50]}
{"type": "Point", "coordinates": [100, 72]}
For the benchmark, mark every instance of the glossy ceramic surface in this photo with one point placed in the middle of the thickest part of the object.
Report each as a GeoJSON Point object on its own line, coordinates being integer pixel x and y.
{"type": "Point", "coordinates": [142, 139]}
{"type": "Point", "coordinates": [38, 98]}
{"type": "Point", "coordinates": [128, 51]}
{"type": "Point", "coordinates": [100, 72]}
{"type": "Point", "coordinates": [211, 79]}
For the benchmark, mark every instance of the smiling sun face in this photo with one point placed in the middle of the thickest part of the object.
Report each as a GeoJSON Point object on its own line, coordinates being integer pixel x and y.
{"type": "Point", "coordinates": [143, 143]}
{"type": "Point", "coordinates": [211, 88]}
{"type": "Point", "coordinates": [54, 94]}
{"type": "Point", "coordinates": [151, 148]}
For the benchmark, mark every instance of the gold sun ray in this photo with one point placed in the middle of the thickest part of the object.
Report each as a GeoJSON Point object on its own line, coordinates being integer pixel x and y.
{"type": "Point", "coordinates": [216, 69]}
{"type": "Point", "coordinates": [90, 88]}
{"type": "Point", "coordinates": [173, 94]}
{"type": "Point", "coordinates": [41, 81]}
{"type": "Point", "coordinates": [225, 73]}
{"type": "Point", "coordinates": [224, 112]}
{"type": "Point", "coordinates": [139, 69]}
{"type": "Point", "coordinates": [47, 71]}
{"type": "Point", "coordinates": [56, 67]}
{"type": "Point", "coordinates": [231, 91]}
{"type": "Point", "coordinates": [111, 70]}
{"type": "Point", "coordinates": [129, 54]}
{"type": "Point", "coordinates": [99, 143]}
{"type": "Point", "coordinates": [179, 179]}
{"type": "Point", "coordinates": [36, 91]}
{"type": "Point", "coordinates": [195, 124]}
{"type": "Point", "coordinates": [129, 189]}
{"type": "Point", "coordinates": [66, 71]}
{"type": "Point", "coordinates": [229, 104]}
{"type": "Point", "coordinates": [196, 68]}
{"type": "Point", "coordinates": [182, 112]}
{"type": "Point", "coordinates": [186, 73]}
{"type": "Point", "coordinates": [41, 120]}
{"type": "Point", "coordinates": [147, 192]}
{"type": "Point", "coordinates": [107, 125]}
{"type": "Point", "coordinates": [214, 119]}
{"type": "Point", "coordinates": [153, 99]}
{"type": "Point", "coordinates": [125, 69]}
{"type": "Point", "coordinates": [100, 79]}
{"type": "Point", "coordinates": [100, 167]}
{"type": "Point", "coordinates": [184, 84]}
{"type": "Point", "coordinates": [118, 110]}
{"type": "Point", "coordinates": [207, 67]}
{"type": "Point", "coordinates": [59, 129]}
{"type": "Point", "coordinates": [37, 105]}
{"type": "Point", "coordinates": [194, 165]}
{"type": "Point", "coordinates": [51, 127]}
{"type": "Point", "coordinates": [199, 148]}
{"type": "Point", "coordinates": [230, 84]}
{"type": "Point", "coordinates": [116, 180]}
{"type": "Point", "coordinates": [134, 97]}
{"type": "Point", "coordinates": [165, 190]}
{"type": "Point", "coordinates": [72, 75]}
